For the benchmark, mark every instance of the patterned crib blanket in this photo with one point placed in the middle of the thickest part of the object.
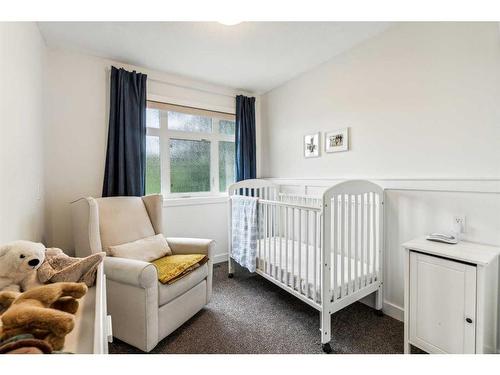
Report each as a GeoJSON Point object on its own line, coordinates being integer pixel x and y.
{"type": "Point", "coordinates": [244, 229]}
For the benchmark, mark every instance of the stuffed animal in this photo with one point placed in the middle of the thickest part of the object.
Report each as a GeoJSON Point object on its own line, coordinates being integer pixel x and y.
{"type": "Point", "coordinates": [19, 261]}
{"type": "Point", "coordinates": [46, 312]}
{"type": "Point", "coordinates": [24, 344]}
{"type": "Point", "coordinates": [59, 267]}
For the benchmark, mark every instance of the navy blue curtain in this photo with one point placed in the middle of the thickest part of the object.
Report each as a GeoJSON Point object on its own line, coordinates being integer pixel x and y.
{"type": "Point", "coordinates": [125, 171]}
{"type": "Point", "coordinates": [245, 138]}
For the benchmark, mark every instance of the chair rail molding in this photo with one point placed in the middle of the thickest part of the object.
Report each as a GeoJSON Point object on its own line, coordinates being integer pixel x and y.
{"type": "Point", "coordinates": [487, 185]}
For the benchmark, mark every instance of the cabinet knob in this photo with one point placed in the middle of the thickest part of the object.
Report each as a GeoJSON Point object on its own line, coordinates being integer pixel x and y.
{"type": "Point", "coordinates": [468, 320]}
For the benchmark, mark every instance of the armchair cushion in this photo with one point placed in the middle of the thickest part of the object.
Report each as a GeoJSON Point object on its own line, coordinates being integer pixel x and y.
{"type": "Point", "coordinates": [167, 292]}
{"type": "Point", "coordinates": [123, 220]}
{"type": "Point", "coordinates": [146, 249]}
{"type": "Point", "coordinates": [130, 271]}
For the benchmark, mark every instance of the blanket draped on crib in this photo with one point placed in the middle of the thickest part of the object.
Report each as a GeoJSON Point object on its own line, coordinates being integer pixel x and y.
{"type": "Point", "coordinates": [244, 231]}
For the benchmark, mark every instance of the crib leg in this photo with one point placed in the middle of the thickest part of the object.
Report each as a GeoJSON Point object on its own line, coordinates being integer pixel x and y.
{"type": "Point", "coordinates": [326, 331]}
{"type": "Point", "coordinates": [230, 268]}
{"type": "Point", "coordinates": [379, 301]}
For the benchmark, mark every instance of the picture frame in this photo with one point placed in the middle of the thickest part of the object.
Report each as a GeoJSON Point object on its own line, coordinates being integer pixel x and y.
{"type": "Point", "coordinates": [337, 140]}
{"type": "Point", "coordinates": [311, 145]}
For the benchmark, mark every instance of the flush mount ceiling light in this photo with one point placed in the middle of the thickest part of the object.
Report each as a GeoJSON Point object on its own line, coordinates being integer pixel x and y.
{"type": "Point", "coordinates": [229, 22]}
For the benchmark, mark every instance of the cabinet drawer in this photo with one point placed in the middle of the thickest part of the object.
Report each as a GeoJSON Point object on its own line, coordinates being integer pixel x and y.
{"type": "Point", "coordinates": [442, 304]}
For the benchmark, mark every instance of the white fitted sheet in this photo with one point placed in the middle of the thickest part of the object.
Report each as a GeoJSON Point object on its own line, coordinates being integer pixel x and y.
{"type": "Point", "coordinates": [300, 269]}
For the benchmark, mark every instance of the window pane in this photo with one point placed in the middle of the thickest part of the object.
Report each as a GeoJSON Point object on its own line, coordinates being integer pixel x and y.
{"type": "Point", "coordinates": [227, 127]}
{"type": "Point", "coordinates": [189, 123]}
{"type": "Point", "coordinates": [152, 118]}
{"type": "Point", "coordinates": [153, 185]}
{"type": "Point", "coordinates": [189, 166]}
{"type": "Point", "coordinates": [226, 165]}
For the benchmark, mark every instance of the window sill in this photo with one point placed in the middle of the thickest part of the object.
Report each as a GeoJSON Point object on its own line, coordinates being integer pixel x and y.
{"type": "Point", "coordinates": [195, 201]}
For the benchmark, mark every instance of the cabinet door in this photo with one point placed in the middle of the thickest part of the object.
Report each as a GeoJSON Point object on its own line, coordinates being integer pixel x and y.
{"type": "Point", "coordinates": [442, 304]}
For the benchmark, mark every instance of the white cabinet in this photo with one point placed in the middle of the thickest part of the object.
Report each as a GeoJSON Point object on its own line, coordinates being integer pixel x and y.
{"type": "Point", "coordinates": [442, 304]}
{"type": "Point", "coordinates": [451, 294]}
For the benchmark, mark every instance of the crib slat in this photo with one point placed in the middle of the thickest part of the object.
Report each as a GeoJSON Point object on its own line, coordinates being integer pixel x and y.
{"type": "Point", "coordinates": [266, 240]}
{"type": "Point", "coordinates": [368, 237]}
{"type": "Point", "coordinates": [271, 234]}
{"type": "Point", "coordinates": [264, 237]}
{"type": "Point", "coordinates": [269, 238]}
{"type": "Point", "coordinates": [292, 271]}
{"type": "Point", "coordinates": [299, 212]}
{"type": "Point", "coordinates": [349, 224]}
{"type": "Point", "coordinates": [287, 235]}
{"type": "Point", "coordinates": [335, 240]}
{"type": "Point", "coordinates": [356, 243]}
{"type": "Point", "coordinates": [259, 235]}
{"type": "Point", "coordinates": [307, 252]}
{"type": "Point", "coordinates": [315, 214]}
{"type": "Point", "coordinates": [380, 229]}
{"type": "Point", "coordinates": [342, 244]}
{"type": "Point", "coordinates": [362, 241]}
{"type": "Point", "coordinates": [280, 236]}
{"type": "Point", "coordinates": [374, 238]}
{"type": "Point", "coordinates": [274, 239]}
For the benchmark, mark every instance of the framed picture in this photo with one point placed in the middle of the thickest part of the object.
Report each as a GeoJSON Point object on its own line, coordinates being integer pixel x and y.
{"type": "Point", "coordinates": [311, 145]}
{"type": "Point", "coordinates": [337, 140]}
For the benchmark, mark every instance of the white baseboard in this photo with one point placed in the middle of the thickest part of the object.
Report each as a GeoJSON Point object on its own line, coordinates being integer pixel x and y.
{"type": "Point", "coordinates": [389, 309]}
{"type": "Point", "coordinates": [220, 258]}
{"type": "Point", "coordinates": [394, 311]}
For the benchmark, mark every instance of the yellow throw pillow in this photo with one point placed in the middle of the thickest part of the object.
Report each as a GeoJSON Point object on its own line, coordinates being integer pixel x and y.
{"type": "Point", "coordinates": [146, 249]}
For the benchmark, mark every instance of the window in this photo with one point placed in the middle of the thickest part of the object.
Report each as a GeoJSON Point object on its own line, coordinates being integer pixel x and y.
{"type": "Point", "coordinates": [189, 151]}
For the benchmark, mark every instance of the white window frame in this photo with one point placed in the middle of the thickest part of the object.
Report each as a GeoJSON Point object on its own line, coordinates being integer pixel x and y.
{"type": "Point", "coordinates": [165, 135]}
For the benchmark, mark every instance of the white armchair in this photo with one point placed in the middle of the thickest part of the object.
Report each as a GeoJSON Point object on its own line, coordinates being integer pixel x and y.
{"type": "Point", "coordinates": [144, 311]}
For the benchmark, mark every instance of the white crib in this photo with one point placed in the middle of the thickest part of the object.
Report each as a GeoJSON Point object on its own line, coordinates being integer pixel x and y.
{"type": "Point", "coordinates": [326, 251]}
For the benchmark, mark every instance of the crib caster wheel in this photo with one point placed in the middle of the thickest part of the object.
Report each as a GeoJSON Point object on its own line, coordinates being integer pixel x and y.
{"type": "Point", "coordinates": [230, 276]}
{"type": "Point", "coordinates": [327, 348]}
{"type": "Point", "coordinates": [379, 313]}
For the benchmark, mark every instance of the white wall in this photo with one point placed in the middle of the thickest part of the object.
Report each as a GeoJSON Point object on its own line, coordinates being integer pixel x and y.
{"type": "Point", "coordinates": [422, 103]}
{"type": "Point", "coordinates": [77, 105]}
{"type": "Point", "coordinates": [22, 58]}
{"type": "Point", "coordinates": [421, 100]}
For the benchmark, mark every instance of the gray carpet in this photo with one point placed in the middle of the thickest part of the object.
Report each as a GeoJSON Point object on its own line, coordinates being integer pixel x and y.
{"type": "Point", "coordinates": [249, 314]}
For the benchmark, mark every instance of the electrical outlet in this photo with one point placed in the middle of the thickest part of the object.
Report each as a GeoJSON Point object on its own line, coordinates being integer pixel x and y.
{"type": "Point", "coordinates": [459, 224]}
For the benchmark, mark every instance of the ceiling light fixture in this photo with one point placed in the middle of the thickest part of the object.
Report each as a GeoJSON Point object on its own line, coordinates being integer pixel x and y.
{"type": "Point", "coordinates": [229, 22]}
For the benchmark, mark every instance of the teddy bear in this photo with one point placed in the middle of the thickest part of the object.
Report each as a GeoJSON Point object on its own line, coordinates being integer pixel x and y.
{"type": "Point", "coordinates": [46, 312]}
{"type": "Point", "coordinates": [19, 261]}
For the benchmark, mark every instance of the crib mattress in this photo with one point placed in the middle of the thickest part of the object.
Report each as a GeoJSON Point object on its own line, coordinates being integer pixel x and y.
{"type": "Point", "coordinates": [297, 268]}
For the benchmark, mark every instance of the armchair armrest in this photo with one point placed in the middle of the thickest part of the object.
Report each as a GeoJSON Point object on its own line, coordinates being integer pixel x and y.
{"type": "Point", "coordinates": [191, 246]}
{"type": "Point", "coordinates": [130, 271]}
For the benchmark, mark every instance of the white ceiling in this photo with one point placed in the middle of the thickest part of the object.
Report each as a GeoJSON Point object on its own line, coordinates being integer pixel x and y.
{"type": "Point", "coordinates": [251, 56]}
